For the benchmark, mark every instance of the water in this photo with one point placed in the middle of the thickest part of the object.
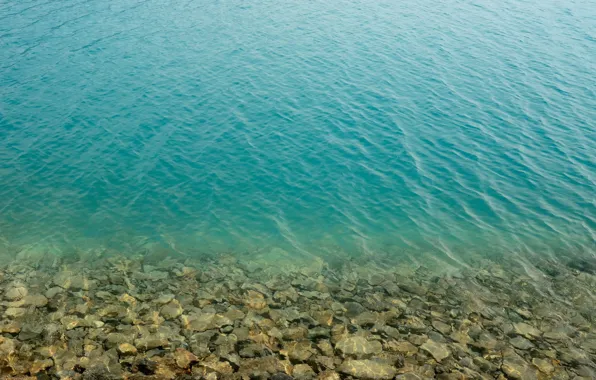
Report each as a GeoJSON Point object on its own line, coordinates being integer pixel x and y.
{"type": "Point", "coordinates": [445, 129]}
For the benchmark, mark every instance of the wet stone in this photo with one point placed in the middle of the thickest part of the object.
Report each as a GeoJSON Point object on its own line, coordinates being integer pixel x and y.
{"type": "Point", "coordinates": [368, 369]}
{"type": "Point", "coordinates": [439, 351]}
{"type": "Point", "coordinates": [521, 343]}
{"type": "Point", "coordinates": [16, 293]}
{"type": "Point", "coordinates": [358, 346]}
{"type": "Point", "coordinates": [127, 349]}
{"type": "Point", "coordinates": [526, 330]}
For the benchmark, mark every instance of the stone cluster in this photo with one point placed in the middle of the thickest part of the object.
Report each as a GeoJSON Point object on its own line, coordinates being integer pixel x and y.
{"type": "Point", "coordinates": [132, 317]}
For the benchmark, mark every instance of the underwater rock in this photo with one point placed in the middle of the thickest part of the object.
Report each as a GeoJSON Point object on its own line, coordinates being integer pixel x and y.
{"type": "Point", "coordinates": [358, 346]}
{"type": "Point", "coordinates": [16, 293]}
{"type": "Point", "coordinates": [367, 369]}
{"type": "Point", "coordinates": [439, 351]}
{"type": "Point", "coordinates": [126, 349]}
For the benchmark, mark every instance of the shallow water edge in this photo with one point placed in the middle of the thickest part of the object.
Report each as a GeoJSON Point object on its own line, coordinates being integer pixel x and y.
{"type": "Point", "coordinates": [162, 316]}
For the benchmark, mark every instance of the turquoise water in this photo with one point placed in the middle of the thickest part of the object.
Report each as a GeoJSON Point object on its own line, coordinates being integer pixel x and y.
{"type": "Point", "coordinates": [369, 127]}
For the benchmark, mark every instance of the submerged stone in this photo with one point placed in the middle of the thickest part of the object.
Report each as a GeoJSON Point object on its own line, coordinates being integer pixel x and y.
{"type": "Point", "coordinates": [358, 346]}
{"type": "Point", "coordinates": [439, 351]}
{"type": "Point", "coordinates": [368, 369]}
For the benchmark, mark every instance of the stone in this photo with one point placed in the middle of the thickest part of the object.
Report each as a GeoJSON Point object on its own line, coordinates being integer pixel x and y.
{"type": "Point", "coordinates": [53, 292]}
{"type": "Point", "coordinates": [16, 293]}
{"type": "Point", "coordinates": [30, 331]}
{"type": "Point", "coordinates": [515, 367]}
{"type": "Point", "coordinates": [255, 300]}
{"type": "Point", "coordinates": [164, 299]}
{"type": "Point", "coordinates": [368, 369]}
{"type": "Point", "coordinates": [150, 342]}
{"type": "Point", "coordinates": [15, 312]}
{"type": "Point", "coordinates": [403, 347]}
{"type": "Point", "coordinates": [521, 343]}
{"type": "Point", "coordinates": [358, 346]}
{"type": "Point", "coordinates": [328, 375]}
{"type": "Point", "coordinates": [36, 300]}
{"type": "Point", "coordinates": [353, 309]}
{"type": "Point", "coordinates": [526, 330]}
{"type": "Point", "coordinates": [303, 372]}
{"type": "Point", "coordinates": [442, 327]}
{"type": "Point", "coordinates": [171, 310]}
{"type": "Point", "coordinates": [439, 351]}
{"type": "Point", "coordinates": [126, 349]}
{"type": "Point", "coordinates": [544, 365]}
{"type": "Point", "coordinates": [41, 365]}
{"type": "Point", "coordinates": [184, 358]}
{"type": "Point", "coordinates": [301, 350]}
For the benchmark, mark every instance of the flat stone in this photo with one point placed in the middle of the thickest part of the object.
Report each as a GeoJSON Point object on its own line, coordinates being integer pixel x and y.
{"type": "Point", "coordinates": [403, 347]}
{"type": "Point", "coordinates": [521, 343]}
{"type": "Point", "coordinates": [36, 300]}
{"type": "Point", "coordinates": [358, 346]}
{"type": "Point", "coordinates": [439, 351]}
{"type": "Point", "coordinates": [368, 369]}
{"type": "Point", "coordinates": [303, 372]}
{"type": "Point", "coordinates": [517, 368]}
{"type": "Point", "coordinates": [52, 292]}
{"type": "Point", "coordinates": [544, 365]}
{"type": "Point", "coordinates": [526, 330]}
{"type": "Point", "coordinates": [301, 350]}
{"type": "Point", "coordinates": [126, 349]}
{"type": "Point", "coordinates": [171, 310]}
{"type": "Point", "coordinates": [15, 312]}
{"type": "Point", "coordinates": [184, 358]}
{"type": "Point", "coordinates": [16, 293]}
{"type": "Point", "coordinates": [164, 299]}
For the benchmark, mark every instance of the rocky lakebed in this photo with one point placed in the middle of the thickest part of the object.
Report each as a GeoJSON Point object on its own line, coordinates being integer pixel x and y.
{"type": "Point", "coordinates": [111, 316]}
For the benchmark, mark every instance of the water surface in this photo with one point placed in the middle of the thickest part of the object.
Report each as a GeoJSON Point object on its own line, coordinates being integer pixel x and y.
{"type": "Point", "coordinates": [367, 127]}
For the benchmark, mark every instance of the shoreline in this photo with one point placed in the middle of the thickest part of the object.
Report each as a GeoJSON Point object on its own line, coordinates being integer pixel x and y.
{"type": "Point", "coordinates": [229, 317]}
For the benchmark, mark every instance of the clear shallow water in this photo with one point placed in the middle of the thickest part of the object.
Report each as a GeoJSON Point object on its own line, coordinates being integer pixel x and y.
{"type": "Point", "coordinates": [361, 126]}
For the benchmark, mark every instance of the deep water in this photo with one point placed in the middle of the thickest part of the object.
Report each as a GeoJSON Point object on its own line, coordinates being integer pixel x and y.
{"type": "Point", "coordinates": [369, 127]}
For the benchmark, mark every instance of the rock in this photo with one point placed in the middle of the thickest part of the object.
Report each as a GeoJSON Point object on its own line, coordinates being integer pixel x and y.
{"type": "Point", "coordinates": [353, 309]}
{"type": "Point", "coordinates": [52, 292]}
{"type": "Point", "coordinates": [255, 300]}
{"type": "Point", "coordinates": [526, 330]}
{"type": "Point", "coordinates": [16, 293]}
{"type": "Point", "coordinates": [301, 350]}
{"type": "Point", "coordinates": [328, 375]}
{"type": "Point", "coordinates": [521, 343]}
{"type": "Point", "coordinates": [367, 369]}
{"type": "Point", "coordinates": [442, 327]}
{"type": "Point", "coordinates": [544, 365]}
{"type": "Point", "coordinates": [303, 372]}
{"type": "Point", "coordinates": [517, 368]}
{"type": "Point", "coordinates": [171, 310]}
{"type": "Point", "coordinates": [184, 358]}
{"type": "Point", "coordinates": [30, 331]}
{"type": "Point", "coordinates": [358, 346]}
{"type": "Point", "coordinates": [439, 351]}
{"type": "Point", "coordinates": [15, 312]}
{"type": "Point", "coordinates": [71, 280]}
{"type": "Point", "coordinates": [10, 327]}
{"type": "Point", "coordinates": [281, 376]}
{"type": "Point", "coordinates": [164, 299]}
{"type": "Point", "coordinates": [41, 365]}
{"type": "Point", "coordinates": [150, 342]}
{"type": "Point", "coordinates": [36, 300]}
{"type": "Point", "coordinates": [127, 349]}
{"type": "Point", "coordinates": [403, 347]}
